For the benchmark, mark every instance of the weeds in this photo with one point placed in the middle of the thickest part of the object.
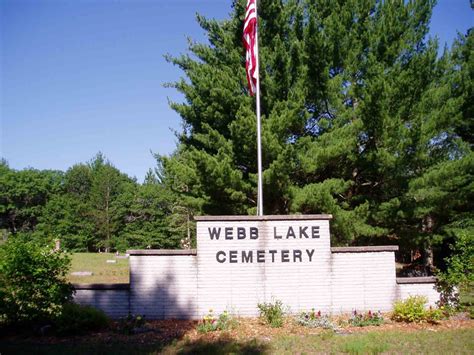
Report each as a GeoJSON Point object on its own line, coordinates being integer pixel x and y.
{"type": "Point", "coordinates": [272, 313]}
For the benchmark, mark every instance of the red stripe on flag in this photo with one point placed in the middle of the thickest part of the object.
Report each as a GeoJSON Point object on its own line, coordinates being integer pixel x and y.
{"type": "Point", "coordinates": [250, 27]}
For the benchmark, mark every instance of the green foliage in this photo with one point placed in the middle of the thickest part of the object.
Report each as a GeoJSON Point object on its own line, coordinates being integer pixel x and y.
{"type": "Point", "coordinates": [272, 313]}
{"type": "Point", "coordinates": [413, 309]}
{"type": "Point", "coordinates": [91, 207]}
{"type": "Point", "coordinates": [33, 286]}
{"type": "Point", "coordinates": [460, 265]}
{"type": "Point", "coordinates": [360, 118]}
{"type": "Point", "coordinates": [459, 274]}
{"type": "Point", "coordinates": [364, 320]}
{"type": "Point", "coordinates": [23, 195]}
{"type": "Point", "coordinates": [211, 323]}
{"type": "Point", "coordinates": [76, 319]}
{"type": "Point", "coordinates": [145, 209]}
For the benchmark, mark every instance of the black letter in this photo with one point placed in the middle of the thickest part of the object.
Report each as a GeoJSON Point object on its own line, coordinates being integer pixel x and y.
{"type": "Point", "coordinates": [247, 258]}
{"type": "Point", "coordinates": [214, 233]}
{"type": "Point", "coordinates": [310, 254]}
{"type": "Point", "coordinates": [217, 256]}
{"type": "Point", "coordinates": [275, 236]}
{"type": "Point", "coordinates": [315, 230]}
{"type": "Point", "coordinates": [253, 233]}
{"type": "Point", "coordinates": [260, 256]}
{"type": "Point", "coordinates": [303, 231]}
{"type": "Point", "coordinates": [285, 258]}
{"type": "Point", "coordinates": [273, 252]}
{"type": "Point", "coordinates": [228, 233]}
{"type": "Point", "coordinates": [297, 255]}
{"type": "Point", "coordinates": [292, 234]}
{"type": "Point", "coordinates": [233, 256]}
{"type": "Point", "coordinates": [240, 233]}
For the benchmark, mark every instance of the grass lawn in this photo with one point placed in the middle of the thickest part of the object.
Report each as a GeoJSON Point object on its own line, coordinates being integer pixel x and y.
{"type": "Point", "coordinates": [375, 342]}
{"type": "Point", "coordinates": [414, 341]}
{"type": "Point", "coordinates": [103, 272]}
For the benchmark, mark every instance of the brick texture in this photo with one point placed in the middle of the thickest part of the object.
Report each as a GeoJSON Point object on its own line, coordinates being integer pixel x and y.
{"type": "Point", "coordinates": [114, 303]}
{"type": "Point", "coordinates": [233, 270]}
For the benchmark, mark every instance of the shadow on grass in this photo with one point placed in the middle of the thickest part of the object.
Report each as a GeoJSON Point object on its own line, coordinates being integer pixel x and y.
{"type": "Point", "coordinates": [221, 346]}
{"type": "Point", "coordinates": [155, 336]}
{"type": "Point", "coordinates": [217, 346]}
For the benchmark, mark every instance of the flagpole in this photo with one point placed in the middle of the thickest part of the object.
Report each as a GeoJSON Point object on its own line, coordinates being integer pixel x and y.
{"type": "Point", "coordinates": [259, 140]}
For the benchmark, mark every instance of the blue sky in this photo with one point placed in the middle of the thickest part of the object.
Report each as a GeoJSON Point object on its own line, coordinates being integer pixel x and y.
{"type": "Point", "coordinates": [82, 76]}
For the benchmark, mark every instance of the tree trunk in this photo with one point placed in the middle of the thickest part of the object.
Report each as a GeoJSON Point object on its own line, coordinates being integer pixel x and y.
{"type": "Point", "coordinates": [107, 221]}
{"type": "Point", "coordinates": [427, 227]}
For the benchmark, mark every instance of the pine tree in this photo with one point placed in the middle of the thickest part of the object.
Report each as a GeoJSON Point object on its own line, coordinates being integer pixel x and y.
{"type": "Point", "coordinates": [355, 104]}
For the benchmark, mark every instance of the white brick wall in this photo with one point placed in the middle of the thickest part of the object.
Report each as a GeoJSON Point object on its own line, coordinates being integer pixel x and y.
{"type": "Point", "coordinates": [363, 281]}
{"type": "Point", "coordinates": [239, 287]}
{"type": "Point", "coordinates": [114, 302]}
{"type": "Point", "coordinates": [184, 284]}
{"type": "Point", "coordinates": [423, 289]}
{"type": "Point", "coordinates": [163, 286]}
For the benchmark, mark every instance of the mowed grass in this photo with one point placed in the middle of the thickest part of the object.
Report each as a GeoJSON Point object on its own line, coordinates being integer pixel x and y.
{"type": "Point", "coordinates": [103, 272]}
{"type": "Point", "coordinates": [459, 341]}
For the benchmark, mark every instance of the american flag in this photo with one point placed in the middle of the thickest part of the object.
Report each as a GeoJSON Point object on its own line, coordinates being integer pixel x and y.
{"type": "Point", "coordinates": [250, 28]}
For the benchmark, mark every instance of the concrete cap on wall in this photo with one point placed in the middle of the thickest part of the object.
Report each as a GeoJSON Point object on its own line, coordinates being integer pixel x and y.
{"type": "Point", "coordinates": [101, 286]}
{"type": "Point", "coordinates": [364, 249]}
{"type": "Point", "coordinates": [417, 280]}
{"type": "Point", "coordinates": [163, 252]}
{"type": "Point", "coordinates": [292, 217]}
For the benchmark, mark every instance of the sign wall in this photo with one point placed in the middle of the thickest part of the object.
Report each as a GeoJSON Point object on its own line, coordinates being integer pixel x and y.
{"type": "Point", "coordinates": [245, 262]}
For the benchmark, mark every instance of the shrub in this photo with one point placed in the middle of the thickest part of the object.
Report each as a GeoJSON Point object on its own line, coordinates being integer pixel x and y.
{"type": "Point", "coordinates": [272, 313]}
{"type": "Point", "coordinates": [413, 309]}
{"type": "Point", "coordinates": [212, 323]}
{"type": "Point", "coordinates": [363, 320]}
{"type": "Point", "coordinates": [459, 275]}
{"type": "Point", "coordinates": [75, 319]}
{"type": "Point", "coordinates": [315, 320]}
{"type": "Point", "coordinates": [33, 284]}
{"type": "Point", "coordinates": [410, 310]}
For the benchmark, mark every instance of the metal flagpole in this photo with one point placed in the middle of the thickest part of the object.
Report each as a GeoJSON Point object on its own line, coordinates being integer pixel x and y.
{"type": "Point", "coordinates": [259, 140]}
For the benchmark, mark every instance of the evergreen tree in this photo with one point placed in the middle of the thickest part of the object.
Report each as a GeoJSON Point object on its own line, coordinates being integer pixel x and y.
{"type": "Point", "coordinates": [108, 183]}
{"type": "Point", "coordinates": [355, 105]}
{"type": "Point", "coordinates": [144, 210]}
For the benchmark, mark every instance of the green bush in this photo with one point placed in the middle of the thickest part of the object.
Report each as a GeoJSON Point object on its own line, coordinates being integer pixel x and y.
{"type": "Point", "coordinates": [75, 319]}
{"type": "Point", "coordinates": [459, 275]}
{"type": "Point", "coordinates": [413, 309]}
{"type": "Point", "coordinates": [33, 286]}
{"type": "Point", "coordinates": [272, 313]}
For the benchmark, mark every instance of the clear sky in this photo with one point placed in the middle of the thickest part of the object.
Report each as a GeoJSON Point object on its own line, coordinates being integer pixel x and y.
{"type": "Point", "coordinates": [82, 76]}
